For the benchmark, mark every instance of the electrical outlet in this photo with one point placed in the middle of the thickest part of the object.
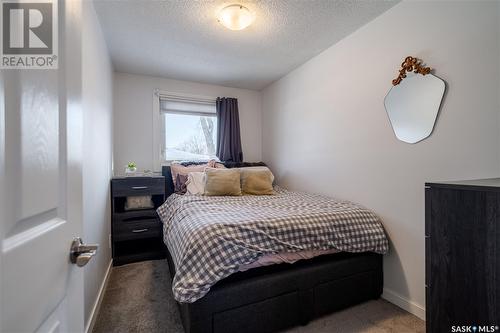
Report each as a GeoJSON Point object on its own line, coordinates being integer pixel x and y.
{"type": "Point", "coordinates": [109, 240]}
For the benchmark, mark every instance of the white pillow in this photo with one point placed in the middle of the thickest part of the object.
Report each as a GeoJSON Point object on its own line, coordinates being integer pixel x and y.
{"type": "Point", "coordinates": [260, 168]}
{"type": "Point", "coordinates": [195, 183]}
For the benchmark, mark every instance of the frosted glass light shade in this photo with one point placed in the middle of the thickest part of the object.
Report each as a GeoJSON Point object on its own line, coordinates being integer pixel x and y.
{"type": "Point", "coordinates": [235, 17]}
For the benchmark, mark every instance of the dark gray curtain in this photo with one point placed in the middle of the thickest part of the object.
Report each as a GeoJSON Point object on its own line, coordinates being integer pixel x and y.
{"type": "Point", "coordinates": [228, 130]}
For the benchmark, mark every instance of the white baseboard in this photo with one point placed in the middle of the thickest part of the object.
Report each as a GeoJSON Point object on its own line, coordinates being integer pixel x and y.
{"type": "Point", "coordinates": [404, 303]}
{"type": "Point", "coordinates": [95, 309]}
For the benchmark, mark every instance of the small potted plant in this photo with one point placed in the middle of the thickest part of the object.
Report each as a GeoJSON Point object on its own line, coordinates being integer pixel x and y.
{"type": "Point", "coordinates": [131, 167]}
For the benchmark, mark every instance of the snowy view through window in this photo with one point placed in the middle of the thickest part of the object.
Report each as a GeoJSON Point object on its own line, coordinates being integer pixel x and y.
{"type": "Point", "coordinates": [190, 137]}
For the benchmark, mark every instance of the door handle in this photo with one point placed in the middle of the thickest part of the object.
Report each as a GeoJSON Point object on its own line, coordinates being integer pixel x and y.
{"type": "Point", "coordinates": [80, 253]}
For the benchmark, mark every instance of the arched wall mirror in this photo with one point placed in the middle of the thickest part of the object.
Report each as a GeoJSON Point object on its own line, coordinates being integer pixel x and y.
{"type": "Point", "coordinates": [413, 102]}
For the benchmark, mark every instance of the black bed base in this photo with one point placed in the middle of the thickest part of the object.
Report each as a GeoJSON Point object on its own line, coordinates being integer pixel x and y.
{"type": "Point", "coordinates": [272, 298]}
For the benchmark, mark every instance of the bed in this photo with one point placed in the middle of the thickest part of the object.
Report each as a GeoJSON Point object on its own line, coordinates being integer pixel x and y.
{"type": "Point", "coordinates": [214, 295]}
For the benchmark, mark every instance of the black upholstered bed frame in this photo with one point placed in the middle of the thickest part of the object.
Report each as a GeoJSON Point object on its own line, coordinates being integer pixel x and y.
{"type": "Point", "coordinates": [272, 298]}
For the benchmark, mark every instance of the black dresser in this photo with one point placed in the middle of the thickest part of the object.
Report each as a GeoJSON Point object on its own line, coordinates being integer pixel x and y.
{"type": "Point", "coordinates": [136, 234]}
{"type": "Point", "coordinates": [462, 226]}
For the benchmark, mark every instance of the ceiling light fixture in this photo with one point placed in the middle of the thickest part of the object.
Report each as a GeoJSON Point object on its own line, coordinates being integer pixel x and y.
{"type": "Point", "coordinates": [235, 17]}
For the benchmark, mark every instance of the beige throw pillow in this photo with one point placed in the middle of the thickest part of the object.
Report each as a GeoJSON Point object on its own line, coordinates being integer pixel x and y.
{"type": "Point", "coordinates": [256, 182]}
{"type": "Point", "coordinates": [222, 182]}
{"type": "Point", "coordinates": [258, 168]}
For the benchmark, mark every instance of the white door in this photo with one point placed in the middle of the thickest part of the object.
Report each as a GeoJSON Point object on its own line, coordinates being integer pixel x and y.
{"type": "Point", "coordinates": [41, 189]}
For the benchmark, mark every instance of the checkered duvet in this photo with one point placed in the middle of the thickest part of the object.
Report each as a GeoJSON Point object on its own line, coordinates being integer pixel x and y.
{"type": "Point", "coordinates": [209, 237]}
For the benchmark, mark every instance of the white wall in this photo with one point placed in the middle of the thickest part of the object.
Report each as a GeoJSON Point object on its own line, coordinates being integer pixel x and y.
{"type": "Point", "coordinates": [97, 149]}
{"type": "Point", "coordinates": [325, 128]}
{"type": "Point", "coordinates": [133, 116]}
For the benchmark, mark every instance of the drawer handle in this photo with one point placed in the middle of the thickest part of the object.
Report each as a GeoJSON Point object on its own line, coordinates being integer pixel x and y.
{"type": "Point", "coordinates": [138, 231]}
{"type": "Point", "coordinates": [139, 187]}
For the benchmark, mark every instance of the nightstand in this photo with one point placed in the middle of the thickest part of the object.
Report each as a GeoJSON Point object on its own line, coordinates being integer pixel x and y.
{"type": "Point", "coordinates": [136, 235]}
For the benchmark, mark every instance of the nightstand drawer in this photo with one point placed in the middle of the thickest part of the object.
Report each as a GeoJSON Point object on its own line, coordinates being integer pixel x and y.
{"type": "Point", "coordinates": [145, 228]}
{"type": "Point", "coordinates": [135, 216]}
{"type": "Point", "coordinates": [138, 186]}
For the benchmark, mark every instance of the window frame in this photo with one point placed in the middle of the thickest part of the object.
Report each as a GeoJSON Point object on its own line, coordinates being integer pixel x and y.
{"type": "Point", "coordinates": [158, 124]}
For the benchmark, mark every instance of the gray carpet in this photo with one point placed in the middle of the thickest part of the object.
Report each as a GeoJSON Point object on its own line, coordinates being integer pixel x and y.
{"type": "Point", "coordinates": [138, 299]}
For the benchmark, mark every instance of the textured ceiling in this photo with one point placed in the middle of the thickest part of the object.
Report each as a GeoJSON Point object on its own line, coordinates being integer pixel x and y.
{"type": "Point", "coordinates": [183, 40]}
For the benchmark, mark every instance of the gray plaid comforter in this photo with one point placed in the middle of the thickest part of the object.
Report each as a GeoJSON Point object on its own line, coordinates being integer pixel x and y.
{"type": "Point", "coordinates": [210, 237]}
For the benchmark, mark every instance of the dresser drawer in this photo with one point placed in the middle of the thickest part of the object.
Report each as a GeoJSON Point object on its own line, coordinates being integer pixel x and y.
{"type": "Point", "coordinates": [138, 186]}
{"type": "Point", "coordinates": [136, 229]}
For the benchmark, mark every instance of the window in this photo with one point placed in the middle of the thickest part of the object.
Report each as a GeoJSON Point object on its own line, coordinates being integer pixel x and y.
{"type": "Point", "coordinates": [189, 129]}
{"type": "Point", "coordinates": [189, 136]}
